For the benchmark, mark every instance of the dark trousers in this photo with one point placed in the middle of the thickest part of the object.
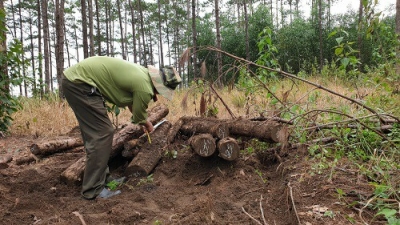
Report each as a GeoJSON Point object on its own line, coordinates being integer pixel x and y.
{"type": "Point", "coordinates": [97, 133]}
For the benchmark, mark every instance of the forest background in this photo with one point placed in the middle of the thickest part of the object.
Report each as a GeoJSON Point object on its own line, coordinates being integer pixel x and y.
{"type": "Point", "coordinates": [257, 54]}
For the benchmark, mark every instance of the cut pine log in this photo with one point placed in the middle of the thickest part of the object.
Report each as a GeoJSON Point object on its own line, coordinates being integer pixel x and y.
{"type": "Point", "coordinates": [73, 175]}
{"type": "Point", "coordinates": [131, 131]}
{"type": "Point", "coordinates": [217, 128]}
{"type": "Point", "coordinates": [53, 146]}
{"type": "Point", "coordinates": [150, 154]}
{"type": "Point", "coordinates": [174, 131]}
{"type": "Point", "coordinates": [203, 144]}
{"type": "Point", "coordinates": [270, 131]}
{"type": "Point", "coordinates": [228, 149]}
{"type": "Point", "coordinates": [131, 148]}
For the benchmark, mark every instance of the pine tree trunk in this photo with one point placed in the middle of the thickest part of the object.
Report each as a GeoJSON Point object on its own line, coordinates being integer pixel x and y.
{"type": "Point", "coordinates": [60, 43]}
{"type": "Point", "coordinates": [84, 29]}
{"type": "Point", "coordinates": [91, 33]}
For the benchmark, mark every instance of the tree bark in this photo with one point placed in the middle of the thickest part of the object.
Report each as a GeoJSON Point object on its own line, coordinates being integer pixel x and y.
{"type": "Point", "coordinates": [398, 18]}
{"type": "Point", "coordinates": [3, 51]}
{"type": "Point", "coordinates": [228, 149]}
{"type": "Point", "coordinates": [73, 175]}
{"type": "Point", "coordinates": [215, 127]}
{"type": "Point", "coordinates": [49, 147]}
{"type": "Point", "coordinates": [91, 28]}
{"type": "Point", "coordinates": [84, 30]}
{"type": "Point", "coordinates": [134, 130]}
{"type": "Point", "coordinates": [46, 46]}
{"type": "Point", "coordinates": [60, 43]}
{"type": "Point", "coordinates": [174, 131]}
{"type": "Point", "coordinates": [270, 131]}
{"type": "Point", "coordinates": [203, 144]}
{"type": "Point", "coordinates": [150, 154]}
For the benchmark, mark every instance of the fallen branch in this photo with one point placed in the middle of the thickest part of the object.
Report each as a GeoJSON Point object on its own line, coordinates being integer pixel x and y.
{"type": "Point", "coordinates": [294, 206]}
{"type": "Point", "coordinates": [285, 74]}
{"type": "Point", "coordinates": [262, 211]}
{"type": "Point", "coordinates": [251, 217]}
{"type": "Point", "coordinates": [80, 217]}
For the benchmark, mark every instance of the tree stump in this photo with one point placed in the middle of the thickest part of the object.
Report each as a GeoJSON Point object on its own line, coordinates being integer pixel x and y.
{"type": "Point", "coordinates": [150, 154]}
{"type": "Point", "coordinates": [203, 144]}
{"type": "Point", "coordinates": [228, 149]}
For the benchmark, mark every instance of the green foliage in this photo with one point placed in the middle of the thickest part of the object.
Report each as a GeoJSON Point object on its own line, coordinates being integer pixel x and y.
{"type": "Point", "coordinates": [147, 180]}
{"type": "Point", "coordinates": [344, 52]}
{"type": "Point", "coordinates": [8, 103]}
{"type": "Point", "coordinates": [296, 44]}
{"type": "Point", "coordinates": [267, 50]}
{"type": "Point", "coordinates": [260, 174]}
{"type": "Point", "coordinates": [112, 185]}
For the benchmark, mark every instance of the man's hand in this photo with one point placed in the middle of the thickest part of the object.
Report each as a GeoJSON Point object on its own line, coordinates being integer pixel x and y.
{"type": "Point", "coordinates": [147, 127]}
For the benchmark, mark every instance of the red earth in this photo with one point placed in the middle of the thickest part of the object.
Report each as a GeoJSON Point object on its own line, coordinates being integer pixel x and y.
{"type": "Point", "coordinates": [186, 189]}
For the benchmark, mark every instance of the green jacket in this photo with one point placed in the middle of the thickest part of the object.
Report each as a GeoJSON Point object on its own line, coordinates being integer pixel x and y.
{"type": "Point", "coordinates": [120, 82]}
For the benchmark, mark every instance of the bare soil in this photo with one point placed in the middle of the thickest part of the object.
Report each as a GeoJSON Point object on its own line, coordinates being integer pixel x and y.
{"type": "Point", "coordinates": [188, 189]}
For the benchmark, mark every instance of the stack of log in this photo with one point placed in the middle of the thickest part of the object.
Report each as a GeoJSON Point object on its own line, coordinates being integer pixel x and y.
{"type": "Point", "coordinates": [208, 136]}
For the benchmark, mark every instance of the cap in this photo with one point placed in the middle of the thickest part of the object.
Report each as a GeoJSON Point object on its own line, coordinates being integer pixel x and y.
{"type": "Point", "coordinates": [165, 80]}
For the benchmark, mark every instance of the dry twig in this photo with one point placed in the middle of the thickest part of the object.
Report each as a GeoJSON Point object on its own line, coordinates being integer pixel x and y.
{"type": "Point", "coordinates": [251, 217]}
{"type": "Point", "coordinates": [80, 217]}
{"type": "Point", "coordinates": [294, 206]}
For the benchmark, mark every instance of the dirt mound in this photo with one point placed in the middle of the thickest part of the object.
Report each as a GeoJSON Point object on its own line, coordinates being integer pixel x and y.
{"type": "Point", "coordinates": [183, 189]}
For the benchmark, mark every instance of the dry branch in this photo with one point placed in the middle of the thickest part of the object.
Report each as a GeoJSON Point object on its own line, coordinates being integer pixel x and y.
{"type": "Point", "coordinates": [285, 74]}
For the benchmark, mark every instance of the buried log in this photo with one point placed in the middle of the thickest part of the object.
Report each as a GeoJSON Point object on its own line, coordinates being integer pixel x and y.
{"type": "Point", "coordinates": [53, 146]}
{"type": "Point", "coordinates": [150, 154]}
{"type": "Point", "coordinates": [73, 175]}
{"type": "Point", "coordinates": [4, 160]}
{"type": "Point", "coordinates": [203, 144]}
{"type": "Point", "coordinates": [131, 148]}
{"type": "Point", "coordinates": [131, 131]}
{"type": "Point", "coordinates": [228, 149]}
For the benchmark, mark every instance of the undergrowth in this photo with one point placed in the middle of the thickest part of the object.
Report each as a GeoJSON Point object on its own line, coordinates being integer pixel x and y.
{"type": "Point", "coordinates": [355, 135]}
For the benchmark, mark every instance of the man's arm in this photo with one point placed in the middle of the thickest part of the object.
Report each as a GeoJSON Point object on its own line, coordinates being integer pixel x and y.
{"type": "Point", "coordinates": [138, 110]}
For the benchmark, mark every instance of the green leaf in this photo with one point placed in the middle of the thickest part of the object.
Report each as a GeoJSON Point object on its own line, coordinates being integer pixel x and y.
{"type": "Point", "coordinates": [338, 51]}
{"type": "Point", "coordinates": [339, 40]}
{"type": "Point", "coordinates": [387, 212]}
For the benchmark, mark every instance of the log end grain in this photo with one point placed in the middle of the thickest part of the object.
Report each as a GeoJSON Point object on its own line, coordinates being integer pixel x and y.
{"type": "Point", "coordinates": [228, 149]}
{"type": "Point", "coordinates": [203, 144]}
